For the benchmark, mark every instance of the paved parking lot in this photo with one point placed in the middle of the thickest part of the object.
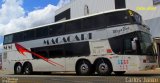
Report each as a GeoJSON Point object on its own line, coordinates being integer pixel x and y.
{"type": "Point", "coordinates": [150, 76]}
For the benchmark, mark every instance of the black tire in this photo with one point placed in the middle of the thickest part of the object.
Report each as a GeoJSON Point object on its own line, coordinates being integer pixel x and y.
{"type": "Point", "coordinates": [103, 67]}
{"type": "Point", "coordinates": [83, 68]}
{"type": "Point", "coordinates": [27, 70]}
{"type": "Point", "coordinates": [119, 72]}
{"type": "Point", "coordinates": [18, 69]}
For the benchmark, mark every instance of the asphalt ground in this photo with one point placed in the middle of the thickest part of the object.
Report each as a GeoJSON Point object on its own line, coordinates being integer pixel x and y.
{"type": "Point", "coordinates": [149, 76]}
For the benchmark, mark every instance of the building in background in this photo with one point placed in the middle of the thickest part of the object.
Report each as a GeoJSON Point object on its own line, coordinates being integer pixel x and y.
{"type": "Point", "coordinates": [149, 9]}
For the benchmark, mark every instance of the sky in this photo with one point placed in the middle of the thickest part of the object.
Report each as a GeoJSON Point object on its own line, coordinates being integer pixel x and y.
{"type": "Point", "coordinates": [18, 15]}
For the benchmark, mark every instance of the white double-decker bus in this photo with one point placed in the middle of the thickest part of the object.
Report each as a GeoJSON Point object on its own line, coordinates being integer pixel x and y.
{"type": "Point", "coordinates": [113, 41]}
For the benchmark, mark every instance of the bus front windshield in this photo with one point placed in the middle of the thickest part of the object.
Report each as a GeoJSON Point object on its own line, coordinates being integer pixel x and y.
{"type": "Point", "coordinates": [145, 44]}
{"type": "Point", "coordinates": [137, 43]}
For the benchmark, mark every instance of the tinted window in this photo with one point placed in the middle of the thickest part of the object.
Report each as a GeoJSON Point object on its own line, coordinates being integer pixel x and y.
{"type": "Point", "coordinates": [118, 18]}
{"type": "Point", "coordinates": [55, 30]}
{"type": "Point", "coordinates": [8, 39]}
{"type": "Point", "coordinates": [117, 48]}
{"type": "Point", "coordinates": [124, 44]}
{"type": "Point", "coordinates": [89, 23]}
{"type": "Point", "coordinates": [135, 17]}
{"type": "Point", "coordinates": [42, 32]}
{"type": "Point", "coordinates": [120, 4]}
{"type": "Point", "coordinates": [42, 51]}
{"type": "Point", "coordinates": [65, 50]}
{"type": "Point", "coordinates": [128, 44]}
{"type": "Point", "coordinates": [18, 37]}
{"type": "Point", "coordinates": [73, 26]}
{"type": "Point", "coordinates": [56, 51]}
{"type": "Point", "coordinates": [29, 34]}
{"type": "Point", "coordinates": [49, 51]}
{"type": "Point", "coordinates": [100, 21]}
{"type": "Point", "coordinates": [77, 49]}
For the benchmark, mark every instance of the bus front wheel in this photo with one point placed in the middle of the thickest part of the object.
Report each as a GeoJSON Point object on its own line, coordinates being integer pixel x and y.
{"type": "Point", "coordinates": [18, 69]}
{"type": "Point", "coordinates": [83, 67]}
{"type": "Point", "coordinates": [103, 67]}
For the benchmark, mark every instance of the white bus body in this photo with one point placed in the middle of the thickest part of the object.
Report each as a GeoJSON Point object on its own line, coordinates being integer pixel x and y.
{"type": "Point", "coordinates": [100, 56]}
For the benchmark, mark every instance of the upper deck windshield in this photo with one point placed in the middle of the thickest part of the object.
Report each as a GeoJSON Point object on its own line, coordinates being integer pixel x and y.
{"type": "Point", "coordinates": [135, 17]}
{"type": "Point", "coordinates": [136, 43]}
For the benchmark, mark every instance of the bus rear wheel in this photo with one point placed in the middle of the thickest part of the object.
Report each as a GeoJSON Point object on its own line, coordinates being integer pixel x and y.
{"type": "Point", "coordinates": [103, 67]}
{"type": "Point", "coordinates": [83, 68]}
{"type": "Point", "coordinates": [27, 69]}
{"type": "Point", "coordinates": [18, 69]}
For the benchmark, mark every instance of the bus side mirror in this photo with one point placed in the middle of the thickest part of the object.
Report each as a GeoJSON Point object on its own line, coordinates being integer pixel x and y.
{"type": "Point", "coordinates": [134, 43]}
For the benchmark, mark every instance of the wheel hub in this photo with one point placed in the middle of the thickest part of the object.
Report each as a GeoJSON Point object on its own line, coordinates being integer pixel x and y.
{"type": "Point", "coordinates": [18, 69]}
{"type": "Point", "coordinates": [84, 68]}
{"type": "Point", "coordinates": [27, 70]}
{"type": "Point", "coordinates": [103, 67]}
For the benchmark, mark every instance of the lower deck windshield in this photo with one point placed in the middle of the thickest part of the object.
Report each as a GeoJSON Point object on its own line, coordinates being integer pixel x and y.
{"type": "Point", "coordinates": [136, 43]}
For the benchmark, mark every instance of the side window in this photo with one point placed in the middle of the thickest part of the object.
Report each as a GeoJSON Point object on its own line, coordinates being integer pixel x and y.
{"type": "Point", "coordinates": [29, 34]}
{"type": "Point", "coordinates": [117, 48]}
{"type": "Point", "coordinates": [77, 49]}
{"type": "Point", "coordinates": [64, 50]}
{"type": "Point", "coordinates": [56, 30]}
{"type": "Point", "coordinates": [136, 18]}
{"type": "Point", "coordinates": [73, 26]}
{"type": "Point", "coordinates": [42, 32]}
{"type": "Point", "coordinates": [100, 21]}
{"type": "Point", "coordinates": [88, 23]}
{"type": "Point", "coordinates": [125, 44]}
{"type": "Point", "coordinates": [18, 37]}
{"type": "Point", "coordinates": [128, 45]}
{"type": "Point", "coordinates": [42, 51]}
{"type": "Point", "coordinates": [117, 18]}
{"type": "Point", "coordinates": [56, 51]}
{"type": "Point", "coordinates": [8, 39]}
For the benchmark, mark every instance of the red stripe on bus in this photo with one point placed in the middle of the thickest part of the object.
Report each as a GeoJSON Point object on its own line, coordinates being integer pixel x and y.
{"type": "Point", "coordinates": [22, 50]}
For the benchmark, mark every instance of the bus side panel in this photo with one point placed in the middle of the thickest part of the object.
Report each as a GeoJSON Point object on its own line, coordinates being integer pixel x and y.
{"type": "Point", "coordinates": [98, 48]}
{"type": "Point", "coordinates": [71, 63]}
{"type": "Point", "coordinates": [125, 63]}
{"type": "Point", "coordinates": [147, 62]}
{"type": "Point", "coordinates": [57, 64]}
{"type": "Point", "coordinates": [7, 62]}
{"type": "Point", "coordinates": [132, 62]}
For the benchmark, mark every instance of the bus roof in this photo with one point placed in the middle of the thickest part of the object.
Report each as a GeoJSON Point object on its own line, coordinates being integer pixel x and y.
{"type": "Point", "coordinates": [69, 20]}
